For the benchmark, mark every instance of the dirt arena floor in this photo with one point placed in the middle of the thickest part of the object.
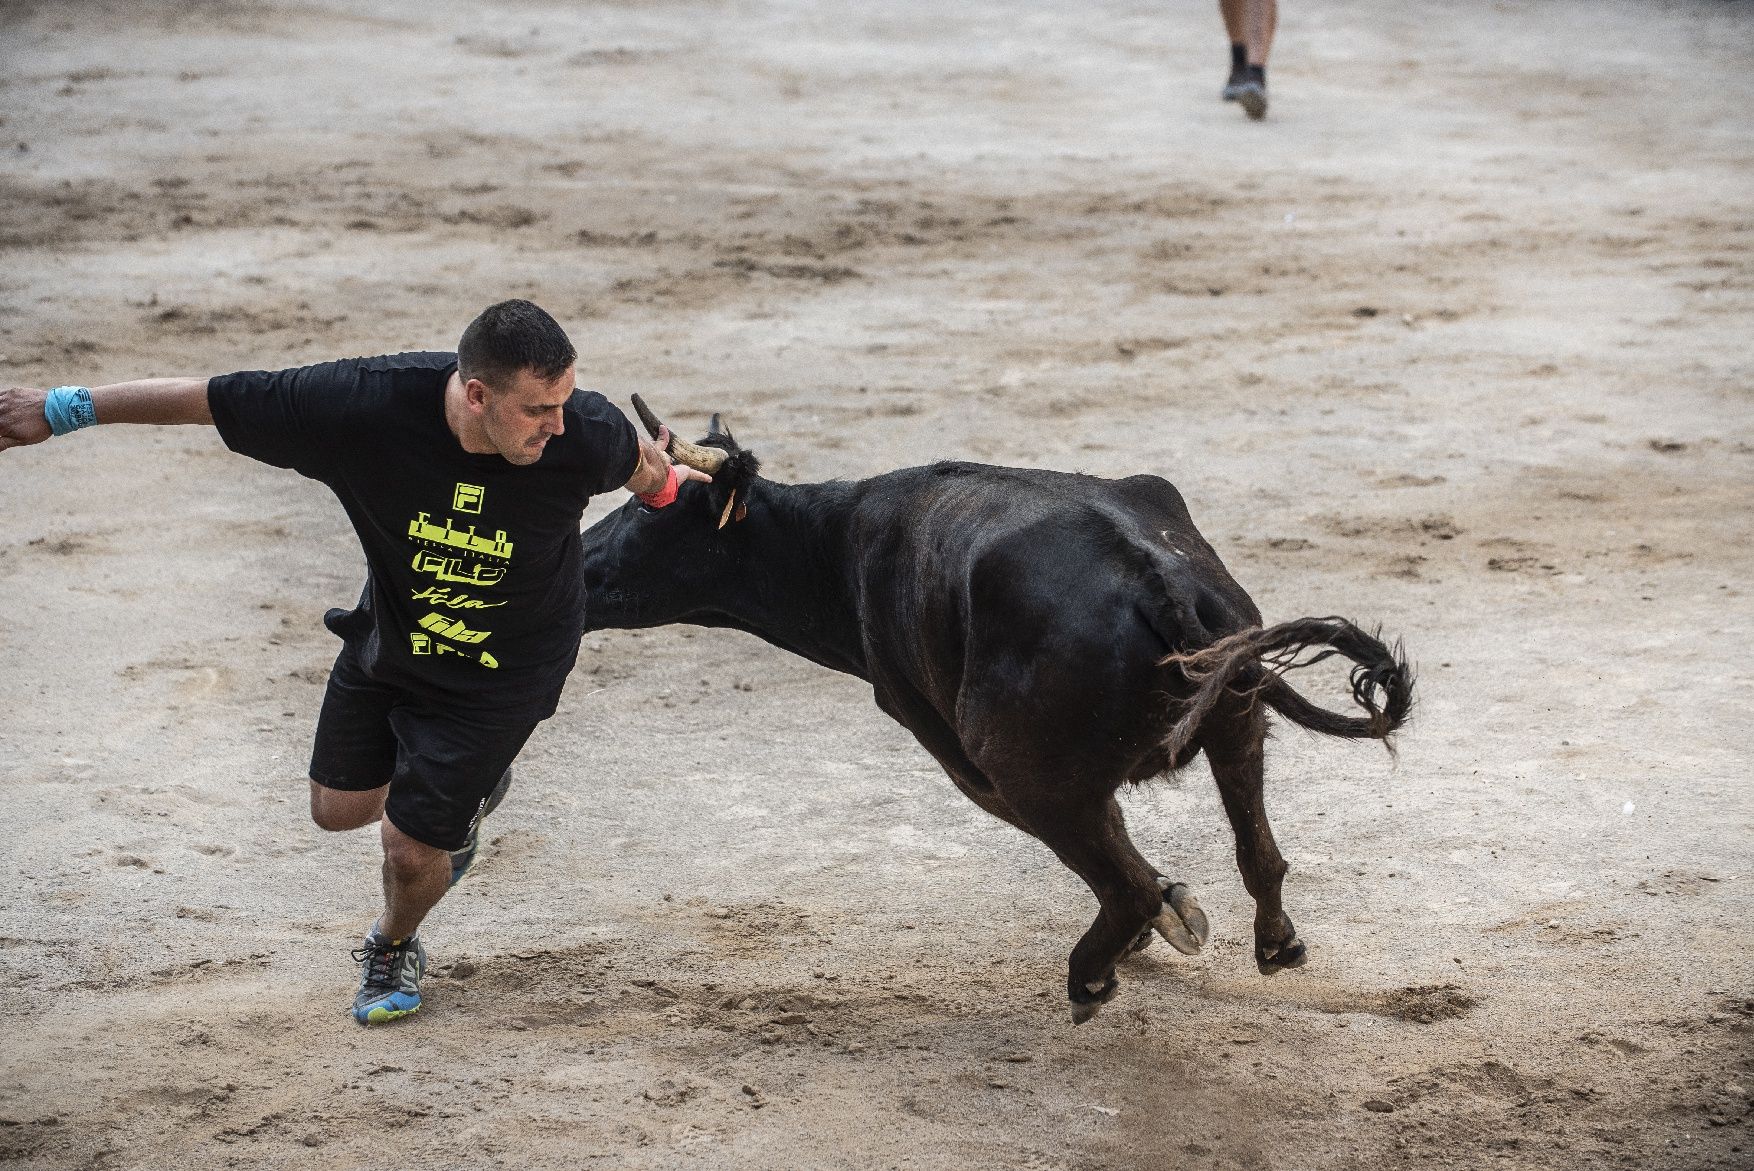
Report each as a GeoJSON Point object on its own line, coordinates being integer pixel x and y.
{"type": "Point", "coordinates": [1456, 341]}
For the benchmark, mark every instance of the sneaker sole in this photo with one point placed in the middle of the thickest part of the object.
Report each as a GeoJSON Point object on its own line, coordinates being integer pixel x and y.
{"type": "Point", "coordinates": [392, 1007]}
{"type": "Point", "coordinates": [383, 1016]}
{"type": "Point", "coordinates": [1254, 104]}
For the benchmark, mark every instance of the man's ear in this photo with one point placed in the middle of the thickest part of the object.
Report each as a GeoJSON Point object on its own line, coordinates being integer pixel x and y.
{"type": "Point", "coordinates": [475, 393]}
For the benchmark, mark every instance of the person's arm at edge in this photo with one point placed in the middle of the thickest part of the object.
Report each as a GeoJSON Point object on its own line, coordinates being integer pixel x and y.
{"type": "Point", "coordinates": [158, 401]}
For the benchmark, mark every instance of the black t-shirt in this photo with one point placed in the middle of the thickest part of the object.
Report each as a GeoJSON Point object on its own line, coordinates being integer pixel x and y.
{"type": "Point", "coordinates": [474, 597]}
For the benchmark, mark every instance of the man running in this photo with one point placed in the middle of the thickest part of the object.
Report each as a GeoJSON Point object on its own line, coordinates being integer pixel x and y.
{"type": "Point", "coordinates": [465, 476]}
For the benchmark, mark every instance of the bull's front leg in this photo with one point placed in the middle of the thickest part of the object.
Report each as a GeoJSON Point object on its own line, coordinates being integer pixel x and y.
{"type": "Point", "coordinates": [1235, 750]}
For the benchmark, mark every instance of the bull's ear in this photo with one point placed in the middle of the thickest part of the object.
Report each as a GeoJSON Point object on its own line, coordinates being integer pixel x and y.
{"type": "Point", "coordinates": [715, 427]}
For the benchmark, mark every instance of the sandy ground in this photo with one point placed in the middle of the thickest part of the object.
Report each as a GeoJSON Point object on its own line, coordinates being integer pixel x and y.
{"type": "Point", "coordinates": [1456, 341]}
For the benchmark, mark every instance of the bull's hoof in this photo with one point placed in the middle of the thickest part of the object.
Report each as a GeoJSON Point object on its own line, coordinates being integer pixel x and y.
{"type": "Point", "coordinates": [1141, 941]}
{"type": "Point", "coordinates": [1087, 1002]}
{"type": "Point", "coordinates": [1182, 923]}
{"type": "Point", "coordinates": [1176, 933]}
{"type": "Point", "coordinates": [1272, 958]}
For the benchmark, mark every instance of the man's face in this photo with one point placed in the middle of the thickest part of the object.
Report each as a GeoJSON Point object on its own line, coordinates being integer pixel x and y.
{"type": "Point", "coordinates": [523, 416]}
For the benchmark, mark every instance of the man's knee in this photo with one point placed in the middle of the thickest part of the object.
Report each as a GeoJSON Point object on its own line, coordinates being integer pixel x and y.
{"type": "Point", "coordinates": [408, 855]}
{"type": "Point", "coordinates": [341, 809]}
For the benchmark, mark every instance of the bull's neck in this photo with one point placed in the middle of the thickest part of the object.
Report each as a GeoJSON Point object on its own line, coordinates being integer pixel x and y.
{"type": "Point", "coordinates": [805, 603]}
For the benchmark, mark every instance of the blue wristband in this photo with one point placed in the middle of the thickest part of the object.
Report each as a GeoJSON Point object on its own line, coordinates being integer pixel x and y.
{"type": "Point", "coordinates": [68, 408]}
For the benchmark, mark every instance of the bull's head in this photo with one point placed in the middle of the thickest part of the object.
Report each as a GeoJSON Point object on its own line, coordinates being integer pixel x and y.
{"type": "Point", "coordinates": [648, 566]}
{"type": "Point", "coordinates": [717, 455]}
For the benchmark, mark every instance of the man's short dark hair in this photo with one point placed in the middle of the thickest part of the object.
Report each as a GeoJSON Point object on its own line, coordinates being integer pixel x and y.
{"type": "Point", "coordinates": [513, 336]}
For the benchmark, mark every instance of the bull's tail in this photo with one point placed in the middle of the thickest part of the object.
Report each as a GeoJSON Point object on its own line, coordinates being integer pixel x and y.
{"type": "Point", "coordinates": [1253, 662]}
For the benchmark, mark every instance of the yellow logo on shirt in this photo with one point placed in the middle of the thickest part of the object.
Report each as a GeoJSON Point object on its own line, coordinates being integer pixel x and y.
{"type": "Point", "coordinates": [446, 566]}
{"type": "Point", "coordinates": [422, 529]}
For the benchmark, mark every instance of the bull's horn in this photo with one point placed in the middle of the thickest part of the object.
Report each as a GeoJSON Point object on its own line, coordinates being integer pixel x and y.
{"type": "Point", "coordinates": [705, 459]}
{"type": "Point", "coordinates": [646, 416]}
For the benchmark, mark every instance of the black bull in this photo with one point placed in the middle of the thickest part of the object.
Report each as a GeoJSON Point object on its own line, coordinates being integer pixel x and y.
{"type": "Point", "coordinates": [1047, 637]}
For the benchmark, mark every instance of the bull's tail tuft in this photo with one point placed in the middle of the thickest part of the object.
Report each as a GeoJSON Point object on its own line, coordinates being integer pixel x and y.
{"type": "Point", "coordinates": [1253, 662]}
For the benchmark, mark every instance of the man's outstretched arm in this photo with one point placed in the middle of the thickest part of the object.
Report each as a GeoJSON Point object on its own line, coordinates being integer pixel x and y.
{"type": "Point", "coordinates": [25, 419]}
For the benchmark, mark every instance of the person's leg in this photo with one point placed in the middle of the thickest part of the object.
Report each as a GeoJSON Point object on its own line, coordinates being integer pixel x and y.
{"type": "Point", "coordinates": [392, 960]}
{"type": "Point", "coordinates": [354, 752]}
{"type": "Point", "coordinates": [354, 764]}
{"type": "Point", "coordinates": [1261, 20]}
{"type": "Point", "coordinates": [416, 877]}
{"type": "Point", "coordinates": [1262, 23]}
{"type": "Point", "coordinates": [453, 769]}
{"type": "Point", "coordinates": [448, 769]}
{"type": "Point", "coordinates": [1234, 21]}
{"type": "Point", "coordinates": [463, 859]}
{"type": "Point", "coordinates": [342, 809]}
{"type": "Point", "coordinates": [1236, 26]}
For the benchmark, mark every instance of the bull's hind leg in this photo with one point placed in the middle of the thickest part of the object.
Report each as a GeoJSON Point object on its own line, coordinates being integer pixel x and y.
{"type": "Point", "coordinates": [1088, 833]}
{"type": "Point", "coordinates": [1111, 863]}
{"type": "Point", "coordinates": [1182, 923]}
{"type": "Point", "coordinates": [1234, 743]}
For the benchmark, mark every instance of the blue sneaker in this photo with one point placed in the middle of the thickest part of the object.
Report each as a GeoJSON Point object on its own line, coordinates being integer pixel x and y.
{"type": "Point", "coordinates": [389, 980]}
{"type": "Point", "coordinates": [463, 860]}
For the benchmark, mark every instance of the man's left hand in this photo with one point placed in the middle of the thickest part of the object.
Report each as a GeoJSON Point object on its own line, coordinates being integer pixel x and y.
{"type": "Point", "coordinates": [654, 466]}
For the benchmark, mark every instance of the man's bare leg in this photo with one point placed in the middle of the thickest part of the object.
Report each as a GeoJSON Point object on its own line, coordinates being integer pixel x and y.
{"type": "Point", "coordinates": [1236, 27]}
{"type": "Point", "coordinates": [1250, 25]}
{"type": "Point", "coordinates": [1234, 20]}
{"type": "Point", "coordinates": [1263, 22]}
{"type": "Point", "coordinates": [416, 875]}
{"type": "Point", "coordinates": [339, 809]}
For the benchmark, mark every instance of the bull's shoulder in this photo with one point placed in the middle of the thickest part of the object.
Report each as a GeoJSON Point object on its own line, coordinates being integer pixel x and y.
{"type": "Point", "coordinates": [943, 493]}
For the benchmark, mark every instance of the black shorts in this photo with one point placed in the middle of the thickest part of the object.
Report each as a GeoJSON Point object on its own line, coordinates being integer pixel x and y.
{"type": "Point", "coordinates": [440, 763]}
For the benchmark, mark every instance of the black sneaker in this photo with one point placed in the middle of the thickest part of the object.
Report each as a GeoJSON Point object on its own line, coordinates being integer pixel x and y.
{"type": "Point", "coordinates": [1253, 97]}
{"type": "Point", "coordinates": [464, 859]}
{"type": "Point", "coordinates": [389, 979]}
{"type": "Point", "coordinates": [1233, 88]}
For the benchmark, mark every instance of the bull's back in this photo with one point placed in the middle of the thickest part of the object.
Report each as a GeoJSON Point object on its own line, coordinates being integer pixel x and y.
{"type": "Point", "coordinates": [1034, 596]}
